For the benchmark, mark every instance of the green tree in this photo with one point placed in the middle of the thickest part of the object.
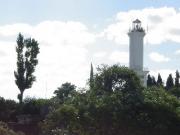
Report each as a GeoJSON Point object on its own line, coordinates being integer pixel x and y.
{"type": "Point", "coordinates": [64, 92]}
{"type": "Point", "coordinates": [8, 110]}
{"type": "Point", "coordinates": [118, 104]}
{"type": "Point", "coordinates": [175, 91]}
{"type": "Point", "coordinates": [33, 106]}
{"type": "Point", "coordinates": [91, 80]}
{"type": "Point", "coordinates": [161, 111]}
{"type": "Point", "coordinates": [27, 51]}
{"type": "Point", "coordinates": [115, 78]}
{"type": "Point", "coordinates": [154, 83]}
{"type": "Point", "coordinates": [149, 81]}
{"type": "Point", "coordinates": [159, 80]}
{"type": "Point", "coordinates": [177, 79]}
{"type": "Point", "coordinates": [5, 130]}
{"type": "Point", "coordinates": [169, 82]}
{"type": "Point", "coordinates": [99, 110]}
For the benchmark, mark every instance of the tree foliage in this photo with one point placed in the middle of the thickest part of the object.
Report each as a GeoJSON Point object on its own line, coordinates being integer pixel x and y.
{"type": "Point", "coordinates": [161, 111]}
{"type": "Point", "coordinates": [64, 92]}
{"type": "Point", "coordinates": [159, 80]}
{"type": "Point", "coordinates": [177, 79]}
{"type": "Point", "coordinates": [117, 104]}
{"type": "Point", "coordinates": [175, 91]}
{"type": "Point", "coordinates": [116, 78]}
{"type": "Point", "coordinates": [154, 83]}
{"type": "Point", "coordinates": [4, 130]}
{"type": "Point", "coordinates": [169, 82]}
{"type": "Point", "coordinates": [27, 51]}
{"type": "Point", "coordinates": [114, 100]}
{"type": "Point", "coordinates": [149, 81]}
{"type": "Point", "coordinates": [8, 109]}
{"type": "Point", "coordinates": [91, 79]}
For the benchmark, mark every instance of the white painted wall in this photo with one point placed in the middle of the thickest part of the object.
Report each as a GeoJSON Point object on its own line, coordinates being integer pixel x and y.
{"type": "Point", "coordinates": [136, 50]}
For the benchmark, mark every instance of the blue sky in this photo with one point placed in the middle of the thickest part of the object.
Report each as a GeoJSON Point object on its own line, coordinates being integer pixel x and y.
{"type": "Point", "coordinates": [74, 33]}
{"type": "Point", "coordinates": [88, 11]}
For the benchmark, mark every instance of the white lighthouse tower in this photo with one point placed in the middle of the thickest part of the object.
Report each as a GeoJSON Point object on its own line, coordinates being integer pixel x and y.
{"type": "Point", "coordinates": [136, 42]}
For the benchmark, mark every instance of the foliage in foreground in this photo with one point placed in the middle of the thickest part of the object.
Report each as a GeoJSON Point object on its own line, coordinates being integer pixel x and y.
{"type": "Point", "coordinates": [9, 109]}
{"type": "Point", "coordinates": [4, 130]}
{"type": "Point", "coordinates": [116, 104]}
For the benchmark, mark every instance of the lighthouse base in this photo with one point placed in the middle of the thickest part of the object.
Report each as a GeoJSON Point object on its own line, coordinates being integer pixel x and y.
{"type": "Point", "coordinates": [143, 76]}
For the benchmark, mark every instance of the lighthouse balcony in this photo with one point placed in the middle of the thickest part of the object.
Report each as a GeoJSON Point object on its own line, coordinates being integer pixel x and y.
{"type": "Point", "coordinates": [138, 29]}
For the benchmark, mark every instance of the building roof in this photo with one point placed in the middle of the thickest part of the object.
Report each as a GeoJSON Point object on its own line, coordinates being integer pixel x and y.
{"type": "Point", "coordinates": [137, 21]}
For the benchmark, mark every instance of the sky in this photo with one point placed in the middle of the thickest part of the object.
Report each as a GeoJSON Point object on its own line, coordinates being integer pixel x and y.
{"type": "Point", "coordinates": [74, 33]}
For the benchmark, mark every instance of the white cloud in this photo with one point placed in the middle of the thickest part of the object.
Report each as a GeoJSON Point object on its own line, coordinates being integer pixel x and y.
{"type": "Point", "coordinates": [99, 54]}
{"type": "Point", "coordinates": [177, 52]}
{"type": "Point", "coordinates": [64, 33]}
{"type": "Point", "coordinates": [14, 29]}
{"type": "Point", "coordinates": [163, 25]}
{"type": "Point", "coordinates": [156, 57]}
{"type": "Point", "coordinates": [119, 57]}
{"type": "Point", "coordinates": [63, 56]}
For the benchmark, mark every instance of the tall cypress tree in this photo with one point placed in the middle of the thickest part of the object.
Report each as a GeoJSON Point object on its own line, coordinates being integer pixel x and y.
{"type": "Point", "coordinates": [154, 83]}
{"type": "Point", "coordinates": [169, 82]}
{"type": "Point", "coordinates": [149, 81]}
{"type": "Point", "coordinates": [27, 51]}
{"type": "Point", "coordinates": [159, 80]}
{"type": "Point", "coordinates": [177, 79]}
{"type": "Point", "coordinates": [91, 80]}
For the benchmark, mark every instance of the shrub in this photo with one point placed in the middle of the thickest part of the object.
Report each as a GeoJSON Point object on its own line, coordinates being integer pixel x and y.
{"type": "Point", "coordinates": [4, 130]}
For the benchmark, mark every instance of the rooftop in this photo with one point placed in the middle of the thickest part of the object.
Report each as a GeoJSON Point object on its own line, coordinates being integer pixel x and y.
{"type": "Point", "coordinates": [137, 21]}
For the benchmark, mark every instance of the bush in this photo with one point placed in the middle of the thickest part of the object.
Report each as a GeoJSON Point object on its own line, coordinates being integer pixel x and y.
{"type": "Point", "coordinates": [8, 110]}
{"type": "Point", "coordinates": [160, 111]}
{"type": "Point", "coordinates": [4, 130]}
{"type": "Point", "coordinates": [35, 106]}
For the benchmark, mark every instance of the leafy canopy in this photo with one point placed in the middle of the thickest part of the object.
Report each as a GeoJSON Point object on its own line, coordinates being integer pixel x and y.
{"type": "Point", "coordinates": [27, 51]}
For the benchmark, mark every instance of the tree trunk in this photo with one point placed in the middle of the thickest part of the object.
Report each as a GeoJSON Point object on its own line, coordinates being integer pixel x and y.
{"type": "Point", "coordinates": [20, 97]}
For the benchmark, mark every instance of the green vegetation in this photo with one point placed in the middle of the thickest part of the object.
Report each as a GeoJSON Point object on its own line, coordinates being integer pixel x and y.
{"type": "Point", "coordinates": [169, 82]}
{"type": "Point", "coordinates": [91, 78]}
{"type": "Point", "coordinates": [114, 103]}
{"type": "Point", "coordinates": [27, 51]}
{"type": "Point", "coordinates": [177, 79]}
{"type": "Point", "coordinates": [117, 104]}
{"type": "Point", "coordinates": [8, 110]}
{"type": "Point", "coordinates": [64, 92]}
{"type": "Point", "coordinates": [159, 81]}
{"type": "Point", "coordinates": [4, 130]}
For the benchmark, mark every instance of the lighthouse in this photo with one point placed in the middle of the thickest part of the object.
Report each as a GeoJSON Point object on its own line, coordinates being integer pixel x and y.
{"type": "Point", "coordinates": [136, 47]}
